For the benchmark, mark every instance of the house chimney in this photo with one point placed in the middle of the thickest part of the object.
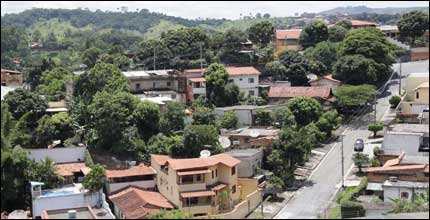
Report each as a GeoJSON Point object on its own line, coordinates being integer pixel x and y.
{"type": "Point", "coordinates": [393, 178]}
{"type": "Point", "coordinates": [71, 214]}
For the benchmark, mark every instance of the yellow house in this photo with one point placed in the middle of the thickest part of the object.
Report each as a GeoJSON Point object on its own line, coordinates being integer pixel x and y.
{"type": "Point", "coordinates": [416, 98]}
{"type": "Point", "coordinates": [203, 186]}
{"type": "Point", "coordinates": [288, 40]}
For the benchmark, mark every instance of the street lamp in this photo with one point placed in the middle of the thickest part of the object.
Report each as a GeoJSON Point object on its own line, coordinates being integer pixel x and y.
{"type": "Point", "coordinates": [342, 165]}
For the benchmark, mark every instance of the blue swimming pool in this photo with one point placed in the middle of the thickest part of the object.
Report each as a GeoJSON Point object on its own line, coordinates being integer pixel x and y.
{"type": "Point", "coordinates": [60, 192]}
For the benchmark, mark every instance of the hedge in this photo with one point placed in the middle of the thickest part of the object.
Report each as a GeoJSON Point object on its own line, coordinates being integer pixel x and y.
{"type": "Point", "coordinates": [349, 209]}
{"type": "Point", "coordinates": [351, 192]}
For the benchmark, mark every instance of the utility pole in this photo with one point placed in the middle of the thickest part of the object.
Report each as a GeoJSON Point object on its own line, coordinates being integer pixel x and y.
{"type": "Point", "coordinates": [154, 59]}
{"type": "Point", "coordinates": [343, 173]}
{"type": "Point", "coordinates": [374, 119]}
{"type": "Point", "coordinates": [400, 77]}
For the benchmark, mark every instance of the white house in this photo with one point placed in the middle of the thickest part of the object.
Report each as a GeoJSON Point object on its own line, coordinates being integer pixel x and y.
{"type": "Point", "coordinates": [250, 161]}
{"type": "Point", "coordinates": [245, 113]}
{"type": "Point", "coordinates": [413, 139]}
{"type": "Point", "coordinates": [395, 189]}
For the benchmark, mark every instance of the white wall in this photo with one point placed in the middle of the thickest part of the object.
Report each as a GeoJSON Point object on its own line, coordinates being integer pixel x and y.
{"type": "Point", "coordinates": [395, 142]}
{"type": "Point", "coordinates": [59, 155]}
{"type": "Point", "coordinates": [244, 85]}
{"type": "Point", "coordinates": [246, 166]}
{"type": "Point", "coordinates": [63, 202]}
{"type": "Point", "coordinates": [112, 187]}
{"type": "Point", "coordinates": [395, 192]}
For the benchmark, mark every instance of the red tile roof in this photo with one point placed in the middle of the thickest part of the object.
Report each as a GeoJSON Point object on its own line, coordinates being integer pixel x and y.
{"type": "Point", "coordinates": [295, 91]}
{"type": "Point", "coordinates": [136, 203]}
{"type": "Point", "coordinates": [67, 169]}
{"type": "Point", "coordinates": [197, 194]}
{"type": "Point", "coordinates": [288, 34]}
{"type": "Point", "coordinates": [180, 164]}
{"type": "Point", "coordinates": [139, 170]}
{"type": "Point", "coordinates": [361, 23]}
{"type": "Point", "coordinates": [398, 168]}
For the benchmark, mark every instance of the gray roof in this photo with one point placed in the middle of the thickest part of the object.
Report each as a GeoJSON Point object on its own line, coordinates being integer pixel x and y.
{"type": "Point", "coordinates": [147, 73]}
{"type": "Point", "coordinates": [253, 132]}
{"type": "Point", "coordinates": [408, 159]}
{"type": "Point", "coordinates": [406, 184]}
{"type": "Point", "coordinates": [244, 152]}
{"type": "Point", "coordinates": [413, 128]}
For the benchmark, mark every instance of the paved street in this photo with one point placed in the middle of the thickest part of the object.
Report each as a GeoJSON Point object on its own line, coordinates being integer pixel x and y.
{"type": "Point", "coordinates": [311, 200]}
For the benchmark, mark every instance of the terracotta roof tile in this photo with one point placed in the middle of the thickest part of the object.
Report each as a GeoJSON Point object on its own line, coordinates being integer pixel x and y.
{"type": "Point", "coordinates": [67, 169]}
{"type": "Point", "coordinates": [398, 168]}
{"type": "Point", "coordinates": [139, 170]}
{"type": "Point", "coordinates": [136, 203]}
{"type": "Point", "coordinates": [291, 92]}
{"type": "Point", "coordinates": [180, 164]}
{"type": "Point", "coordinates": [197, 194]}
{"type": "Point", "coordinates": [288, 34]}
{"type": "Point", "coordinates": [361, 23]}
{"type": "Point", "coordinates": [218, 186]}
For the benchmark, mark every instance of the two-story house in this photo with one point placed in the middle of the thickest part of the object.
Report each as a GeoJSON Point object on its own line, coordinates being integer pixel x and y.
{"type": "Point", "coordinates": [202, 186]}
{"type": "Point", "coordinates": [288, 40]}
{"type": "Point", "coordinates": [246, 78]}
{"type": "Point", "coordinates": [416, 98]}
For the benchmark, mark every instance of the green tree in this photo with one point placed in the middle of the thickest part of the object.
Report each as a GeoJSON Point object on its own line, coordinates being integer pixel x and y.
{"type": "Point", "coordinates": [45, 172]}
{"type": "Point", "coordinates": [305, 110]}
{"type": "Point", "coordinates": [36, 36]}
{"type": "Point", "coordinates": [229, 120]}
{"type": "Point", "coordinates": [413, 24]}
{"type": "Point", "coordinates": [175, 214]}
{"type": "Point", "coordinates": [277, 70]}
{"type": "Point", "coordinates": [145, 54]}
{"type": "Point", "coordinates": [7, 125]}
{"type": "Point", "coordinates": [21, 101]}
{"type": "Point", "coordinates": [359, 160]}
{"type": "Point", "coordinates": [345, 24]}
{"type": "Point", "coordinates": [90, 56]}
{"type": "Point", "coordinates": [111, 115]}
{"type": "Point", "coordinates": [275, 184]}
{"type": "Point", "coordinates": [354, 96]}
{"type": "Point", "coordinates": [173, 118]}
{"type": "Point", "coordinates": [282, 117]}
{"type": "Point", "coordinates": [289, 57]}
{"type": "Point", "coordinates": [357, 70]}
{"type": "Point", "coordinates": [94, 180]}
{"type": "Point", "coordinates": [336, 33]}
{"type": "Point", "coordinates": [313, 135]}
{"type": "Point", "coordinates": [263, 118]}
{"type": "Point", "coordinates": [394, 101]}
{"type": "Point", "coordinates": [231, 44]}
{"type": "Point", "coordinates": [55, 127]}
{"type": "Point", "coordinates": [22, 134]}
{"type": "Point", "coordinates": [219, 91]}
{"type": "Point", "coordinates": [375, 127]}
{"type": "Point", "coordinates": [261, 33]}
{"type": "Point", "coordinates": [313, 33]}
{"type": "Point", "coordinates": [328, 122]}
{"type": "Point", "coordinates": [196, 139]}
{"type": "Point", "coordinates": [324, 52]}
{"type": "Point", "coordinates": [160, 144]}
{"type": "Point", "coordinates": [53, 83]}
{"type": "Point", "coordinates": [146, 117]}
{"type": "Point", "coordinates": [297, 74]}
{"type": "Point", "coordinates": [204, 116]}
{"type": "Point", "coordinates": [36, 67]}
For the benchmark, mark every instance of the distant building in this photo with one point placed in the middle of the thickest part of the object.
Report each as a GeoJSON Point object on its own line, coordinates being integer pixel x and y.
{"type": "Point", "coordinates": [288, 40]}
{"type": "Point", "coordinates": [357, 24]}
{"type": "Point", "coordinates": [11, 78]}
{"type": "Point", "coordinates": [85, 212]}
{"type": "Point", "coordinates": [327, 81]}
{"type": "Point", "coordinates": [245, 113]}
{"type": "Point", "coordinates": [251, 160]}
{"type": "Point", "coordinates": [416, 98]}
{"type": "Point", "coordinates": [56, 107]}
{"type": "Point", "coordinates": [249, 137]}
{"type": "Point", "coordinates": [413, 139]}
{"type": "Point", "coordinates": [136, 203]}
{"type": "Point", "coordinates": [389, 30]}
{"type": "Point", "coordinates": [395, 189]}
{"type": "Point", "coordinates": [246, 78]}
{"type": "Point", "coordinates": [284, 93]}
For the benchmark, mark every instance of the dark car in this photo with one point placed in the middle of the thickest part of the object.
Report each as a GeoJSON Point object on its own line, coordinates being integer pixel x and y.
{"type": "Point", "coordinates": [359, 145]}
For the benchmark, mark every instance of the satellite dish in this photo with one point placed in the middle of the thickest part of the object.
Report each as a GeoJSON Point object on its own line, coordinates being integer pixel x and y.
{"type": "Point", "coordinates": [254, 134]}
{"type": "Point", "coordinates": [205, 154]}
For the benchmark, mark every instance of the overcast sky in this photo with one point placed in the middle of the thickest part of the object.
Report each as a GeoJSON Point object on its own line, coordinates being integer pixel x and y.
{"type": "Point", "coordinates": [213, 9]}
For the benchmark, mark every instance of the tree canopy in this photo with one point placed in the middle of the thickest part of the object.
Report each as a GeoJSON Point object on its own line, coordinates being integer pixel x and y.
{"type": "Point", "coordinates": [305, 110]}
{"type": "Point", "coordinates": [261, 33]}
{"type": "Point", "coordinates": [313, 33]}
{"type": "Point", "coordinates": [21, 101]}
{"type": "Point", "coordinates": [413, 24]}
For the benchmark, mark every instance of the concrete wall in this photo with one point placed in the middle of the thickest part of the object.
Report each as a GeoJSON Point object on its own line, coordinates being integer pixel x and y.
{"type": "Point", "coordinates": [248, 165]}
{"type": "Point", "coordinates": [242, 209]}
{"type": "Point", "coordinates": [411, 83]}
{"type": "Point", "coordinates": [242, 81]}
{"type": "Point", "coordinates": [146, 184]}
{"type": "Point", "coordinates": [59, 155]}
{"type": "Point", "coordinates": [325, 82]}
{"type": "Point", "coordinates": [148, 84]}
{"type": "Point", "coordinates": [395, 192]}
{"type": "Point", "coordinates": [407, 142]}
{"type": "Point", "coordinates": [423, 96]}
{"type": "Point", "coordinates": [68, 201]}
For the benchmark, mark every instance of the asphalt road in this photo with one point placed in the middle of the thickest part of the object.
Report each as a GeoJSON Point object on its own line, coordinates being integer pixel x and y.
{"type": "Point", "coordinates": [309, 201]}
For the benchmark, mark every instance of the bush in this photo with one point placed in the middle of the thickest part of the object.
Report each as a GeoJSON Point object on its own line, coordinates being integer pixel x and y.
{"type": "Point", "coordinates": [375, 127]}
{"type": "Point", "coordinates": [376, 151]}
{"type": "Point", "coordinates": [350, 209]}
{"type": "Point", "coordinates": [351, 192]}
{"type": "Point", "coordinates": [394, 101]}
{"type": "Point", "coordinates": [375, 162]}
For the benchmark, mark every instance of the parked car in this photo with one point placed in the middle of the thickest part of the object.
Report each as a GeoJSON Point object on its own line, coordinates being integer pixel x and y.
{"type": "Point", "coordinates": [359, 145]}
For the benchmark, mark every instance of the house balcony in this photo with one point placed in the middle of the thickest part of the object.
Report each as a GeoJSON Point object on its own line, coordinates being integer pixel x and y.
{"type": "Point", "coordinates": [184, 187]}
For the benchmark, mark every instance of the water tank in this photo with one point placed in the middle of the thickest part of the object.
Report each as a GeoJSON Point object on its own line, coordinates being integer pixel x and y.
{"type": "Point", "coordinates": [205, 154]}
{"type": "Point", "coordinates": [71, 214]}
{"type": "Point", "coordinates": [393, 178]}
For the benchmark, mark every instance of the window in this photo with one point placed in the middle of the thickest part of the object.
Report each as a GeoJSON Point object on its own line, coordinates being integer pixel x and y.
{"type": "Point", "coordinates": [233, 189]}
{"type": "Point", "coordinates": [240, 79]}
{"type": "Point", "coordinates": [233, 171]}
{"type": "Point", "coordinates": [404, 195]}
{"type": "Point", "coordinates": [417, 95]}
{"type": "Point", "coordinates": [197, 85]}
{"type": "Point", "coordinates": [169, 83]}
{"type": "Point", "coordinates": [198, 177]}
{"type": "Point", "coordinates": [192, 201]}
{"type": "Point", "coordinates": [213, 174]}
{"type": "Point", "coordinates": [187, 179]}
{"type": "Point", "coordinates": [137, 86]}
{"type": "Point", "coordinates": [251, 93]}
{"type": "Point", "coordinates": [216, 172]}
{"type": "Point", "coordinates": [250, 80]}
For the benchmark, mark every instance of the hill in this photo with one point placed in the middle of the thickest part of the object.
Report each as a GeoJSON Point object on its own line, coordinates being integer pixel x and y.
{"type": "Point", "coordinates": [364, 9]}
